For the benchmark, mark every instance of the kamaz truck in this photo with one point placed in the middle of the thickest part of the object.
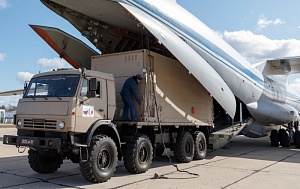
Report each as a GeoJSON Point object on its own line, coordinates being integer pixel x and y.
{"type": "Point", "coordinates": [76, 114]}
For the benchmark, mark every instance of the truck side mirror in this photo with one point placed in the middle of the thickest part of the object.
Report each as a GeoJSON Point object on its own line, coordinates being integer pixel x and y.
{"type": "Point", "coordinates": [93, 84]}
{"type": "Point", "coordinates": [25, 86]}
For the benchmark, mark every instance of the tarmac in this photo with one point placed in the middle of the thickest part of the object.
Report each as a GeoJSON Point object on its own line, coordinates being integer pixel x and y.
{"type": "Point", "coordinates": [244, 163]}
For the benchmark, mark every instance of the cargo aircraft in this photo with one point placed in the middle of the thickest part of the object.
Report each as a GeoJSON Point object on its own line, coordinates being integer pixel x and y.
{"type": "Point", "coordinates": [257, 91]}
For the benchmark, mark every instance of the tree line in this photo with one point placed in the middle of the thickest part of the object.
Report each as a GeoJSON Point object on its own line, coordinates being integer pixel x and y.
{"type": "Point", "coordinates": [8, 107]}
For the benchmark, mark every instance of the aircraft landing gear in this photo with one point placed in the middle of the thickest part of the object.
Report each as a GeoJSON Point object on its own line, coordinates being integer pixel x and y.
{"type": "Point", "coordinates": [297, 134]}
{"type": "Point", "coordinates": [280, 137]}
{"type": "Point", "coordinates": [274, 138]}
{"type": "Point", "coordinates": [286, 137]}
{"type": "Point", "coordinates": [297, 139]}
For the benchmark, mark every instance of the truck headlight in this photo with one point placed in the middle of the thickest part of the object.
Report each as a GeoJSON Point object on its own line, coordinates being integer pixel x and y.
{"type": "Point", "coordinates": [61, 125]}
{"type": "Point", "coordinates": [19, 123]}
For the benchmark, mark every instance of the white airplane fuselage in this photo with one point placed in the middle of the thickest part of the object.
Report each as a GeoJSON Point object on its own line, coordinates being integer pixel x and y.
{"type": "Point", "coordinates": [263, 93]}
{"type": "Point", "coordinates": [266, 96]}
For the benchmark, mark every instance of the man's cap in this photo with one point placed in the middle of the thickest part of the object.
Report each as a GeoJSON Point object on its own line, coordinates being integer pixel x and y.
{"type": "Point", "coordinates": [139, 76]}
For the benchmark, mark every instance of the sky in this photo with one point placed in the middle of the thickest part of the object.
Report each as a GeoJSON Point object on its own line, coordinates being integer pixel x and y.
{"type": "Point", "coordinates": [257, 29]}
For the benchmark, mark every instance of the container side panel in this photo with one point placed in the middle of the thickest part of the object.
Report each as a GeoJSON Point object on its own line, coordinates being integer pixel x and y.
{"type": "Point", "coordinates": [180, 98]}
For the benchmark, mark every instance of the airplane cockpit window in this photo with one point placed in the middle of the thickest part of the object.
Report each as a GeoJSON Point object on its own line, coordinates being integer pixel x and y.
{"type": "Point", "coordinates": [52, 86]}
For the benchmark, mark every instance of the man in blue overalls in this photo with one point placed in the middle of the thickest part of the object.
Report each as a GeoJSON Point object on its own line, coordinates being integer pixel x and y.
{"type": "Point", "coordinates": [130, 89]}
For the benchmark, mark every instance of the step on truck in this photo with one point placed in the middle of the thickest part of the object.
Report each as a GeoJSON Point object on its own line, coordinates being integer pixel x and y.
{"type": "Point", "coordinates": [77, 115]}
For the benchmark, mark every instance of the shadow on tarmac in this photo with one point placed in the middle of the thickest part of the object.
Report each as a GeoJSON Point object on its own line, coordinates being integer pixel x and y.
{"type": "Point", "coordinates": [69, 173]}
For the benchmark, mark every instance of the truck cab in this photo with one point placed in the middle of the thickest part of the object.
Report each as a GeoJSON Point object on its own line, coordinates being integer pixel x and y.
{"type": "Point", "coordinates": [58, 101]}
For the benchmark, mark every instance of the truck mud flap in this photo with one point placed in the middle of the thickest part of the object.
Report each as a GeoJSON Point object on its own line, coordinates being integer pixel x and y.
{"type": "Point", "coordinates": [34, 142]}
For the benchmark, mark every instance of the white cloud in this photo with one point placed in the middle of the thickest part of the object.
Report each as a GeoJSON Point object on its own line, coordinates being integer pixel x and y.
{"type": "Point", "coordinates": [294, 86]}
{"type": "Point", "coordinates": [264, 22]}
{"type": "Point", "coordinates": [3, 4]}
{"type": "Point", "coordinates": [53, 63]}
{"type": "Point", "coordinates": [256, 48]}
{"type": "Point", "coordinates": [278, 21]}
{"type": "Point", "coordinates": [9, 100]}
{"type": "Point", "coordinates": [2, 56]}
{"type": "Point", "coordinates": [23, 76]}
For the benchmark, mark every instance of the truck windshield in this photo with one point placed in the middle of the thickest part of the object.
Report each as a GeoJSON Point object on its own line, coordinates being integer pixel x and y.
{"type": "Point", "coordinates": [52, 86]}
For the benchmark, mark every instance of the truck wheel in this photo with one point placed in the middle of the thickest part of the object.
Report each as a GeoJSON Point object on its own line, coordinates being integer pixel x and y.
{"type": "Point", "coordinates": [102, 160]}
{"type": "Point", "coordinates": [284, 138]}
{"type": "Point", "coordinates": [274, 137]}
{"type": "Point", "coordinates": [42, 164]}
{"type": "Point", "coordinates": [184, 148]}
{"type": "Point", "coordinates": [200, 145]}
{"type": "Point", "coordinates": [138, 155]}
{"type": "Point", "coordinates": [297, 139]}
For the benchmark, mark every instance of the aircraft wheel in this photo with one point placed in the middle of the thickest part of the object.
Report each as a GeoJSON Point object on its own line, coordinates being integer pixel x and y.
{"type": "Point", "coordinates": [274, 138]}
{"type": "Point", "coordinates": [297, 139]}
{"type": "Point", "coordinates": [284, 138]}
{"type": "Point", "coordinates": [184, 148]}
{"type": "Point", "coordinates": [200, 145]}
{"type": "Point", "coordinates": [138, 155]}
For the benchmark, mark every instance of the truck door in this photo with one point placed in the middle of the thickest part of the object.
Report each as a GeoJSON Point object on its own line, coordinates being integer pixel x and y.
{"type": "Point", "coordinates": [89, 110]}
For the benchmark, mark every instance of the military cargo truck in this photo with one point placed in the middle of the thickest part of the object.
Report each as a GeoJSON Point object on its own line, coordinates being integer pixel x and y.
{"type": "Point", "coordinates": [77, 115]}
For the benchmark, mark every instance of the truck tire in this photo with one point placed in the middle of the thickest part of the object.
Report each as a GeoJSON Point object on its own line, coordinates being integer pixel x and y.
{"type": "Point", "coordinates": [102, 160]}
{"type": "Point", "coordinates": [42, 164]}
{"type": "Point", "coordinates": [297, 139]}
{"type": "Point", "coordinates": [274, 137]}
{"type": "Point", "coordinates": [138, 155]}
{"type": "Point", "coordinates": [200, 145]}
{"type": "Point", "coordinates": [184, 148]}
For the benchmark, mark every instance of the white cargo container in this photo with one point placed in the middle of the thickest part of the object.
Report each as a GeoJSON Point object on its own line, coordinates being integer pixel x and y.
{"type": "Point", "coordinates": [180, 98]}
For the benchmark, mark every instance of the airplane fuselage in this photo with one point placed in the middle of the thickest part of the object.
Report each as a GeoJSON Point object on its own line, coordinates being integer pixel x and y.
{"type": "Point", "coordinates": [263, 93]}
{"type": "Point", "coordinates": [246, 82]}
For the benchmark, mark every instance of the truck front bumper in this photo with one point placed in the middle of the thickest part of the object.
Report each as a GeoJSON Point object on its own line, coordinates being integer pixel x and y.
{"type": "Point", "coordinates": [34, 142]}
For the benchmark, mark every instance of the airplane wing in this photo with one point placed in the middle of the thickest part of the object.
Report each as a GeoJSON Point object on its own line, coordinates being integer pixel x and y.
{"type": "Point", "coordinates": [11, 93]}
{"type": "Point", "coordinates": [284, 66]}
{"type": "Point", "coordinates": [202, 71]}
{"type": "Point", "coordinates": [74, 51]}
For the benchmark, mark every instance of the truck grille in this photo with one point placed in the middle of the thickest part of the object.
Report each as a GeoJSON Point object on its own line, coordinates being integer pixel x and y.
{"type": "Point", "coordinates": [40, 123]}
